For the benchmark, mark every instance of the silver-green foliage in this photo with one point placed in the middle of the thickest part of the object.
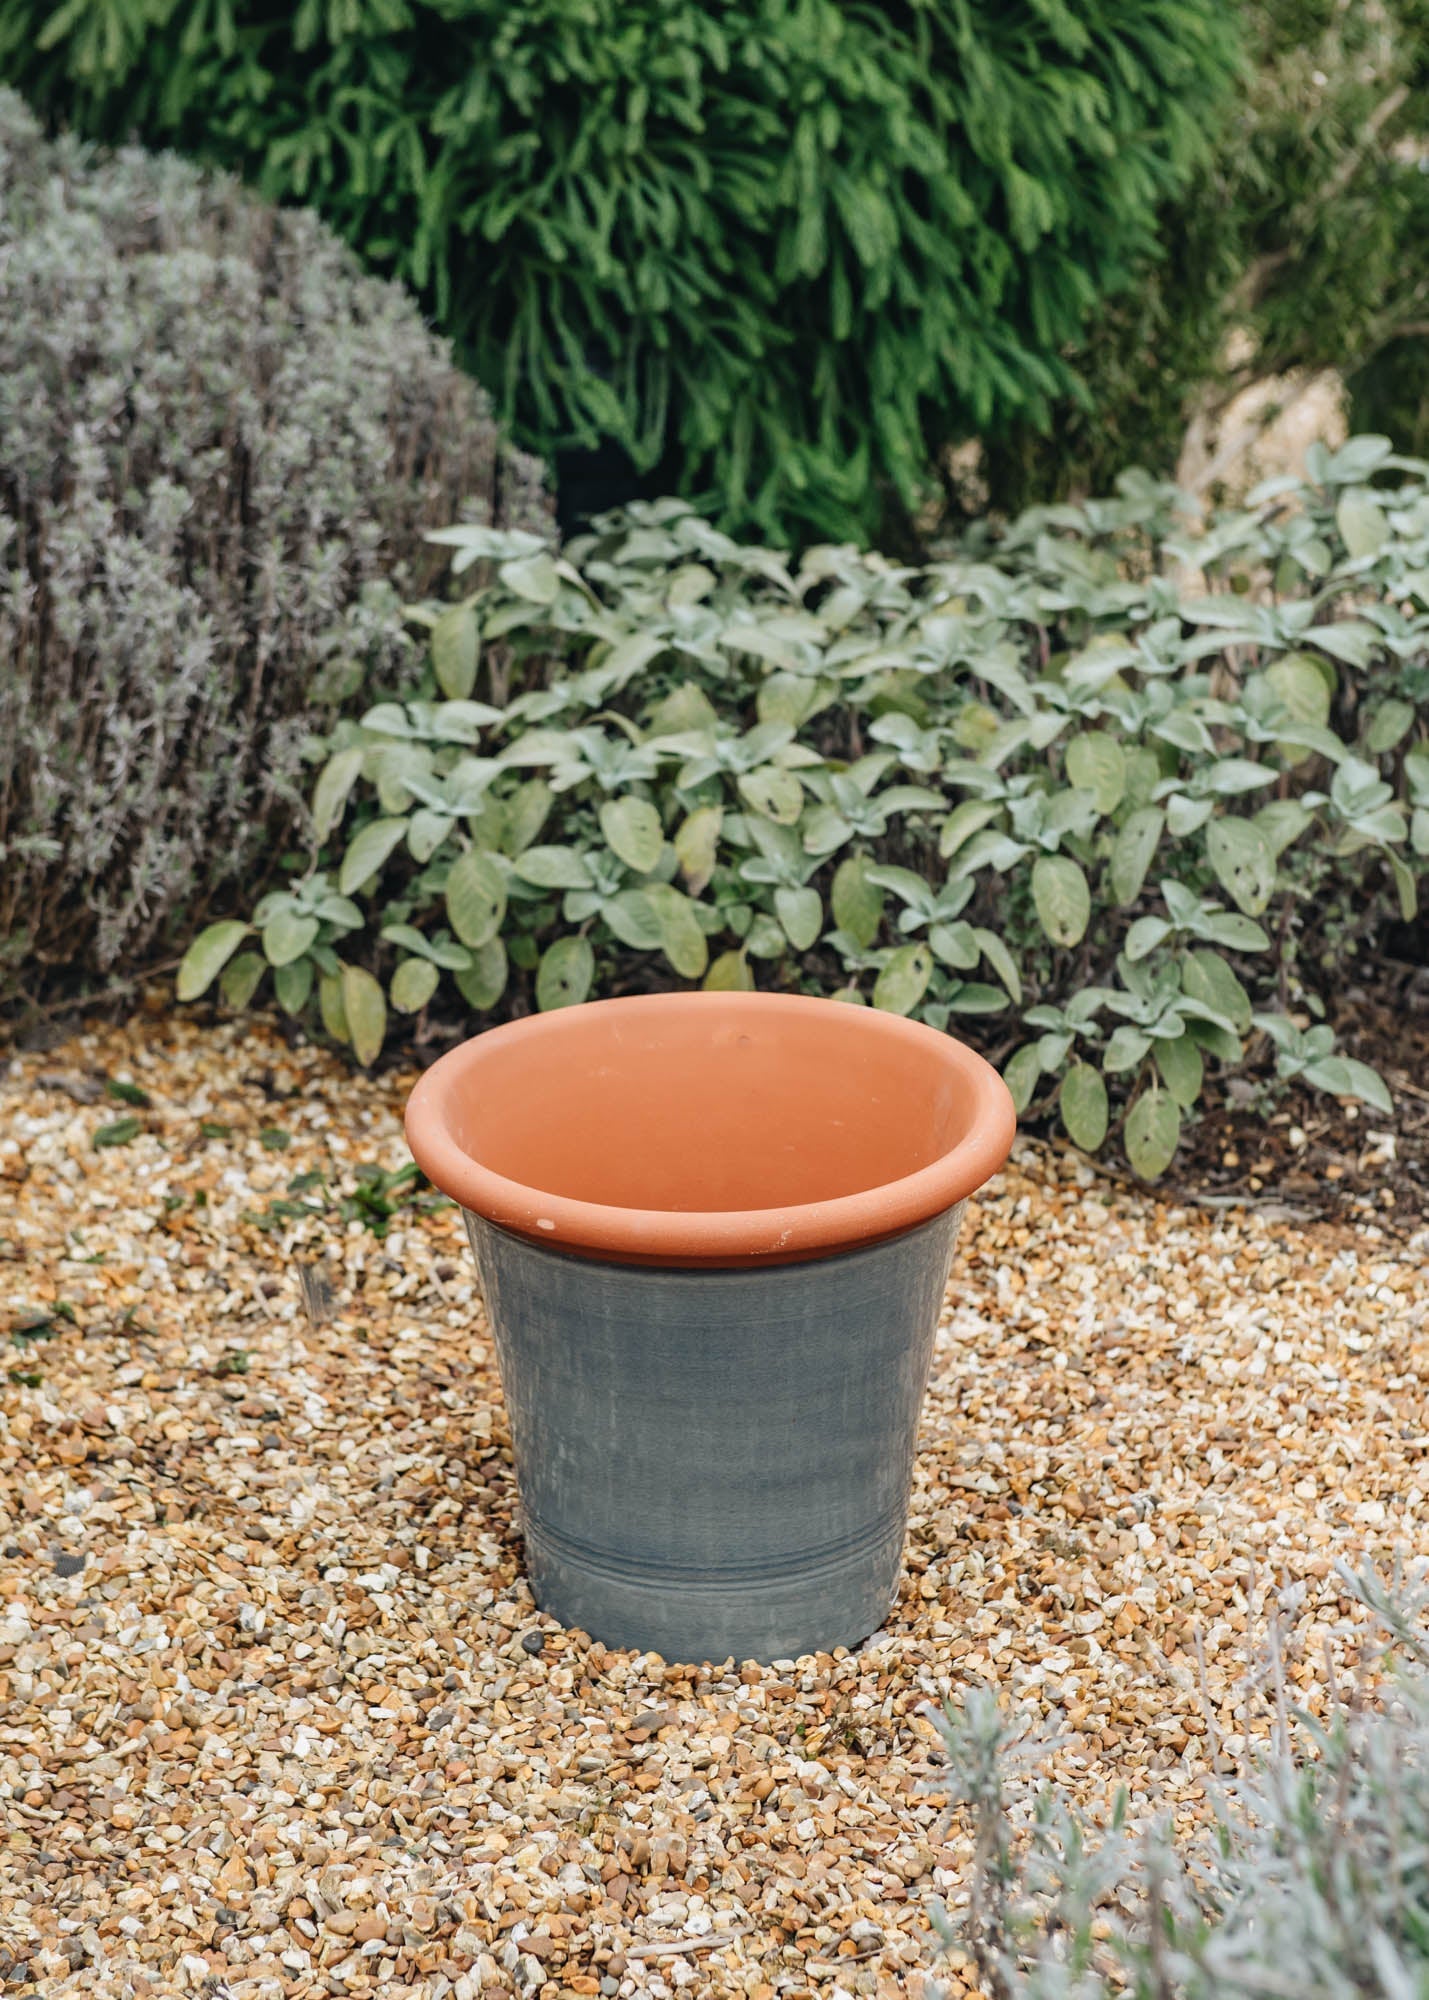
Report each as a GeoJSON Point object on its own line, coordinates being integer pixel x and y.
{"type": "Point", "coordinates": [1314, 1883]}
{"type": "Point", "coordinates": [1124, 783]}
{"type": "Point", "coordinates": [219, 446]}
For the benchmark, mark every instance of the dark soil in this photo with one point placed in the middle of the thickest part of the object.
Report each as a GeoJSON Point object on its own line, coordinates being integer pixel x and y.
{"type": "Point", "coordinates": [1260, 1141]}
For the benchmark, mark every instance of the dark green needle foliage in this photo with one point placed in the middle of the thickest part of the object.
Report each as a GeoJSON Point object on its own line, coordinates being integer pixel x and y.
{"type": "Point", "coordinates": [782, 249]}
{"type": "Point", "coordinates": [1302, 243]}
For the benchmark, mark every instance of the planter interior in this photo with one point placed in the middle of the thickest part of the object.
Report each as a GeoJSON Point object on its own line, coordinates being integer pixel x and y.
{"type": "Point", "coordinates": [710, 1128]}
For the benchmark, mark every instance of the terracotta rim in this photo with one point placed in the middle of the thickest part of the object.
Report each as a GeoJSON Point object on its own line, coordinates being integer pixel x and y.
{"type": "Point", "coordinates": [723, 1237]}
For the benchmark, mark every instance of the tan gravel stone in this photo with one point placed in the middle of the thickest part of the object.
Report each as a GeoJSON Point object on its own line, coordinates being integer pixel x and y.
{"type": "Point", "coordinates": [269, 1724]}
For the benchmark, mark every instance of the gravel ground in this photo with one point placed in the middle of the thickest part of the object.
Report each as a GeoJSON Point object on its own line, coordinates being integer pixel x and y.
{"type": "Point", "coordinates": [277, 1713]}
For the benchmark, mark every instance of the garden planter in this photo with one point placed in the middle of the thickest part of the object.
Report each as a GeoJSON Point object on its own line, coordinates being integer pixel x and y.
{"type": "Point", "coordinates": [713, 1231]}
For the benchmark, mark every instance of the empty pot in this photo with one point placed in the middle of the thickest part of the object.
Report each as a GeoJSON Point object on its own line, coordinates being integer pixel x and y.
{"type": "Point", "coordinates": [713, 1232]}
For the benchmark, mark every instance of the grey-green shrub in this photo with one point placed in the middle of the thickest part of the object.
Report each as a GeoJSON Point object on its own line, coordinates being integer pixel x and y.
{"type": "Point", "coordinates": [1315, 1882]}
{"type": "Point", "coordinates": [219, 446]}
{"type": "Point", "coordinates": [1120, 791]}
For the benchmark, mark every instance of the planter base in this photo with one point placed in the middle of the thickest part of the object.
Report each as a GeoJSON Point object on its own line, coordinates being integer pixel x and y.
{"type": "Point", "coordinates": [716, 1463]}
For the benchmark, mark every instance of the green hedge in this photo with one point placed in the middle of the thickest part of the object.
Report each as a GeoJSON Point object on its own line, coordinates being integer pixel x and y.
{"type": "Point", "coordinates": [787, 247]}
{"type": "Point", "coordinates": [1118, 795]}
{"type": "Point", "coordinates": [1301, 243]}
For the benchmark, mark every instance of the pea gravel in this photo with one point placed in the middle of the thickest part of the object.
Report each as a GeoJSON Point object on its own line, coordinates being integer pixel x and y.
{"type": "Point", "coordinates": [278, 1715]}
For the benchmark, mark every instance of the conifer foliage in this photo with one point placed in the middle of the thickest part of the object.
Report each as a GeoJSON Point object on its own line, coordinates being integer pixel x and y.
{"type": "Point", "coordinates": [778, 248]}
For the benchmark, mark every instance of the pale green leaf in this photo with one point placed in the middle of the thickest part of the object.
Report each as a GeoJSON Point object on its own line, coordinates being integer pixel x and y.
{"type": "Point", "coordinates": [1343, 1076]}
{"type": "Point", "coordinates": [685, 710]}
{"type": "Point", "coordinates": [535, 578]}
{"type": "Point", "coordinates": [1133, 852]}
{"type": "Point", "coordinates": [765, 937]}
{"type": "Point", "coordinates": [904, 979]}
{"type": "Point", "coordinates": [1182, 1069]}
{"type": "Point", "coordinates": [483, 982]}
{"type": "Point", "coordinates": [1302, 685]}
{"type": "Point", "coordinates": [526, 812]}
{"type": "Point", "coordinates": [1001, 960]}
{"type": "Point", "coordinates": [681, 937]}
{"type": "Point", "coordinates": [330, 793]}
{"type": "Point", "coordinates": [367, 851]}
{"type": "Point", "coordinates": [207, 956]}
{"type": "Point", "coordinates": [1206, 977]}
{"type": "Point", "coordinates": [241, 977]}
{"type": "Point", "coordinates": [564, 976]}
{"type": "Point", "coordinates": [1096, 763]}
{"type": "Point", "coordinates": [955, 945]}
{"type": "Point", "coordinates": [330, 1006]}
{"type": "Point", "coordinates": [972, 996]}
{"type": "Point", "coordinates": [963, 822]}
{"type": "Point", "coordinates": [1020, 1074]}
{"type": "Point", "coordinates": [1282, 822]}
{"type": "Point", "coordinates": [365, 1007]}
{"type": "Point", "coordinates": [634, 919]}
{"type": "Point", "coordinates": [426, 831]}
{"type": "Point", "coordinates": [801, 912]}
{"type": "Point", "coordinates": [1244, 864]}
{"type": "Point", "coordinates": [552, 868]}
{"type": "Point", "coordinates": [776, 794]}
{"type": "Point", "coordinates": [287, 935]}
{"type": "Point", "coordinates": [633, 832]}
{"type": "Point", "coordinates": [476, 897]}
{"type": "Point", "coordinates": [1084, 1106]}
{"type": "Point", "coordinates": [1363, 526]}
{"type": "Point", "coordinates": [456, 649]}
{"type": "Point", "coordinates": [791, 698]}
{"type": "Point", "coordinates": [857, 901]}
{"type": "Point", "coordinates": [1144, 936]}
{"type": "Point", "coordinates": [1061, 897]}
{"type": "Point", "coordinates": [1389, 724]}
{"type": "Point", "coordinates": [413, 984]}
{"type": "Point", "coordinates": [729, 973]}
{"type": "Point", "coordinates": [1125, 1049]}
{"type": "Point", "coordinates": [697, 846]}
{"type": "Point", "coordinates": [293, 985]}
{"type": "Point", "coordinates": [1152, 1133]}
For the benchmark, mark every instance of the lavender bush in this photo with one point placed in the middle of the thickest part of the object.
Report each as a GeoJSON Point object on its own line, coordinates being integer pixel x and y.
{"type": "Point", "coordinates": [220, 445]}
{"type": "Point", "coordinates": [1314, 1886]}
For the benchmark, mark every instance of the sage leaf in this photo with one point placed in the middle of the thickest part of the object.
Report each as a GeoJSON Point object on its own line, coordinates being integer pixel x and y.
{"type": "Point", "coordinates": [1061, 898]}
{"type": "Point", "coordinates": [207, 956]}
{"type": "Point", "coordinates": [1085, 1107]}
{"type": "Point", "coordinates": [475, 897]}
{"type": "Point", "coordinates": [857, 901]}
{"type": "Point", "coordinates": [904, 979]}
{"type": "Point", "coordinates": [1244, 864]}
{"type": "Point", "coordinates": [413, 984]}
{"type": "Point", "coordinates": [564, 976]}
{"type": "Point", "coordinates": [456, 649]}
{"type": "Point", "coordinates": [633, 832]}
{"type": "Point", "coordinates": [1152, 1133]}
{"type": "Point", "coordinates": [365, 1007]}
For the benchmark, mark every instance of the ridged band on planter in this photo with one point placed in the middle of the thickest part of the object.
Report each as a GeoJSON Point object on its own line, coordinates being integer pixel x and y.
{"type": "Point", "coordinates": [716, 1462]}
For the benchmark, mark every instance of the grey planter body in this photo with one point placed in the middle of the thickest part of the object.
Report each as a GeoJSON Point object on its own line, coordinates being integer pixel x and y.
{"type": "Point", "coordinates": [716, 1463]}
